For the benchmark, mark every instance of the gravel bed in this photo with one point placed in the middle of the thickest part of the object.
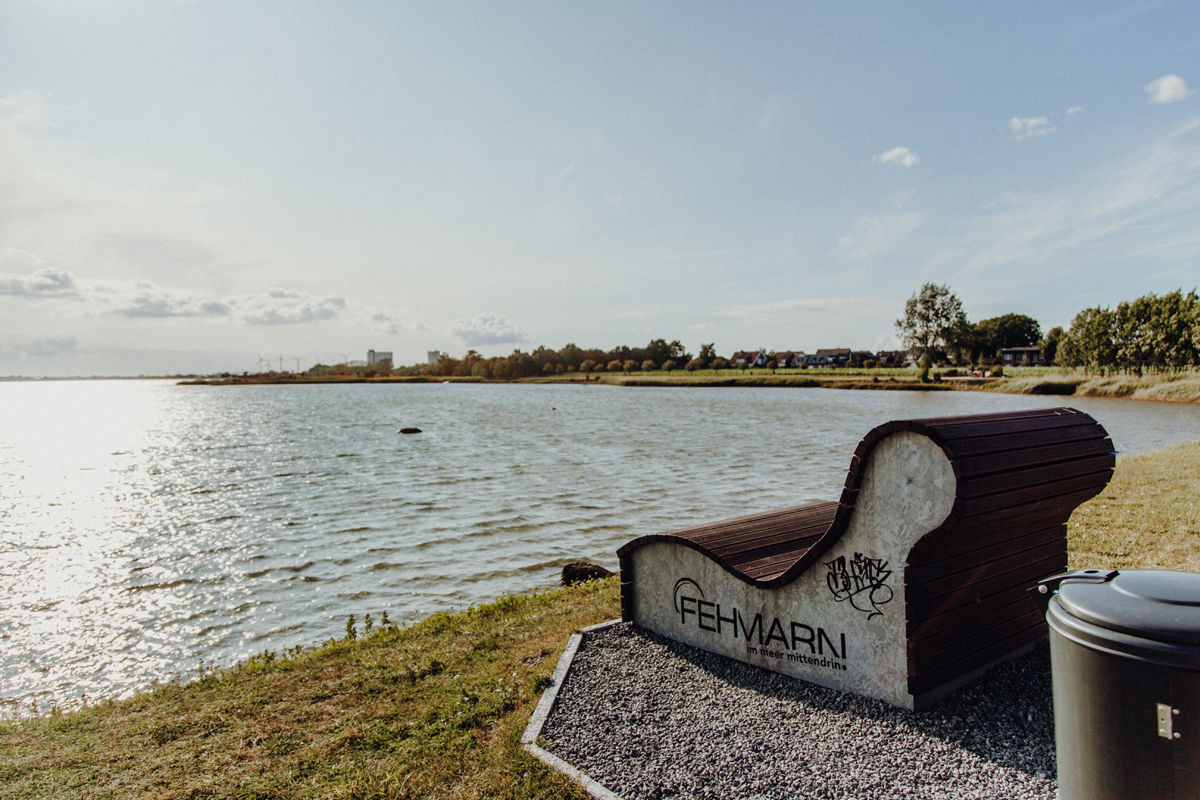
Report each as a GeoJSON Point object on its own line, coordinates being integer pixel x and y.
{"type": "Point", "coordinates": [649, 717]}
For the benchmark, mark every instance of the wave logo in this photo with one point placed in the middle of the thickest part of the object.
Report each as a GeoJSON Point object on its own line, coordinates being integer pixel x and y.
{"type": "Point", "coordinates": [683, 583]}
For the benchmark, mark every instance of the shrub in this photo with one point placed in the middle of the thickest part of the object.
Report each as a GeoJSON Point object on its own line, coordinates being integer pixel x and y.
{"type": "Point", "coordinates": [649, 366]}
{"type": "Point", "coordinates": [870, 363]}
{"type": "Point", "coordinates": [548, 368]}
{"type": "Point", "coordinates": [719, 363]}
{"type": "Point", "coordinates": [998, 371]}
{"type": "Point", "coordinates": [693, 365]}
{"type": "Point", "coordinates": [587, 366]}
{"type": "Point", "coordinates": [669, 365]}
{"type": "Point", "coordinates": [771, 364]}
{"type": "Point", "coordinates": [572, 368]}
{"type": "Point", "coordinates": [614, 366]}
{"type": "Point", "coordinates": [630, 365]}
{"type": "Point", "coordinates": [558, 368]}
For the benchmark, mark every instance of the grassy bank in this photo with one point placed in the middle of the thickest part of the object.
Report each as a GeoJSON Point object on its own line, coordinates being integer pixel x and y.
{"type": "Point", "coordinates": [1178, 388]}
{"type": "Point", "coordinates": [1147, 517]}
{"type": "Point", "coordinates": [436, 710]}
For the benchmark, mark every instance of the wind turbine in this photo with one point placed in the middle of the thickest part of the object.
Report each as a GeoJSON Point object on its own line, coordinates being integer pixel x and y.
{"type": "Point", "coordinates": [297, 363]}
{"type": "Point", "coordinates": [346, 359]}
{"type": "Point", "coordinates": [260, 362]}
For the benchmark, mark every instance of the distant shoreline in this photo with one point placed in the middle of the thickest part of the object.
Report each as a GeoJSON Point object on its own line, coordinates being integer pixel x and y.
{"type": "Point", "coordinates": [1178, 388]}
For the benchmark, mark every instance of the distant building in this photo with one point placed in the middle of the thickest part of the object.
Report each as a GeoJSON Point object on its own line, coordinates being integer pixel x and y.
{"type": "Point", "coordinates": [433, 356]}
{"type": "Point", "coordinates": [892, 358]}
{"type": "Point", "coordinates": [1023, 357]}
{"type": "Point", "coordinates": [374, 357]}
{"type": "Point", "coordinates": [788, 359]}
{"type": "Point", "coordinates": [756, 358]}
{"type": "Point", "coordinates": [832, 357]}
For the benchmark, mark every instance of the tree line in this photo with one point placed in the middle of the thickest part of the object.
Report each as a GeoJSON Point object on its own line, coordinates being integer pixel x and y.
{"type": "Point", "coordinates": [658, 354]}
{"type": "Point", "coordinates": [1155, 333]}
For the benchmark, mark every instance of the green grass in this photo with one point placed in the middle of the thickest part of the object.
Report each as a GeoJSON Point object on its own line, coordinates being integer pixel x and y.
{"type": "Point", "coordinates": [1147, 517]}
{"type": "Point", "coordinates": [1182, 387]}
{"type": "Point", "coordinates": [435, 710]}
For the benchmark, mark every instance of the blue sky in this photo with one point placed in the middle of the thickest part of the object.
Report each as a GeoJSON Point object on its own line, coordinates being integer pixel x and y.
{"type": "Point", "coordinates": [188, 186]}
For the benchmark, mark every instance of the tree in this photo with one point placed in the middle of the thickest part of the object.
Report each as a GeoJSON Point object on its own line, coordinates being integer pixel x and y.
{"type": "Point", "coordinates": [649, 366]}
{"type": "Point", "coordinates": [669, 365]}
{"type": "Point", "coordinates": [614, 365]}
{"type": "Point", "coordinates": [708, 352]}
{"type": "Point", "coordinates": [1090, 340]}
{"type": "Point", "coordinates": [933, 319]}
{"type": "Point", "coordinates": [1049, 345]}
{"type": "Point", "coordinates": [629, 365]}
{"type": "Point", "coordinates": [1009, 330]}
{"type": "Point", "coordinates": [659, 351]}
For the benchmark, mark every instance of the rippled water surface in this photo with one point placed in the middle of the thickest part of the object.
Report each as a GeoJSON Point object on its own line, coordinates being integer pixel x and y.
{"type": "Point", "coordinates": [145, 527]}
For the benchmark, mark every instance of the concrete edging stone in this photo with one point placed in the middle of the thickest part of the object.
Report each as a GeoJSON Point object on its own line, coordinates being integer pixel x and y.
{"type": "Point", "coordinates": [540, 714]}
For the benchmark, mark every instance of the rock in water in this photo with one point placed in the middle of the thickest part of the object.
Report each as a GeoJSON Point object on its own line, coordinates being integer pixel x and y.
{"type": "Point", "coordinates": [410, 430]}
{"type": "Point", "coordinates": [582, 572]}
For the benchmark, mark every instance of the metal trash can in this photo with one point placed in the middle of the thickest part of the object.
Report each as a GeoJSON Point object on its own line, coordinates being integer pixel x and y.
{"type": "Point", "coordinates": [1125, 656]}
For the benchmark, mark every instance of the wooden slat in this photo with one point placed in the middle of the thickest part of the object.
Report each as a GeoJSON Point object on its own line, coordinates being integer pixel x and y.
{"type": "Point", "coordinates": [980, 572]}
{"type": "Point", "coordinates": [1027, 575]}
{"type": "Point", "coordinates": [933, 679]}
{"type": "Point", "coordinates": [924, 657]}
{"type": "Point", "coordinates": [922, 572]}
{"type": "Point", "coordinates": [978, 533]}
{"type": "Point", "coordinates": [979, 612]}
{"type": "Point", "coordinates": [1011, 460]}
{"type": "Point", "coordinates": [982, 445]}
{"type": "Point", "coordinates": [1036, 494]}
{"type": "Point", "coordinates": [1037, 477]}
{"type": "Point", "coordinates": [955, 432]}
{"type": "Point", "coordinates": [1005, 416]}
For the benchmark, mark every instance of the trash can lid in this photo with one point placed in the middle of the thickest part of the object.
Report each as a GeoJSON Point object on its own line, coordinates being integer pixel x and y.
{"type": "Point", "coordinates": [1157, 604]}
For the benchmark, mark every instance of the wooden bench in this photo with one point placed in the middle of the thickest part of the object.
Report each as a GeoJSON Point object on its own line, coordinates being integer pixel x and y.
{"type": "Point", "coordinates": [911, 585]}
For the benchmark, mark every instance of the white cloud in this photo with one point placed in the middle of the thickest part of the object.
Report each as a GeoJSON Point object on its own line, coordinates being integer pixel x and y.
{"type": "Point", "coordinates": [1073, 110]}
{"type": "Point", "coordinates": [162, 305]}
{"type": "Point", "coordinates": [1027, 127]}
{"type": "Point", "coordinates": [1168, 89]}
{"type": "Point", "coordinates": [898, 155]}
{"type": "Point", "coordinates": [49, 346]}
{"type": "Point", "coordinates": [43, 283]}
{"type": "Point", "coordinates": [389, 324]}
{"type": "Point", "coordinates": [281, 307]}
{"type": "Point", "coordinates": [488, 329]}
{"type": "Point", "coordinates": [874, 234]}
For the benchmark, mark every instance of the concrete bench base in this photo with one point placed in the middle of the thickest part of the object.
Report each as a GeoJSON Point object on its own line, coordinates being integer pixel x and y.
{"type": "Point", "coordinates": [911, 585]}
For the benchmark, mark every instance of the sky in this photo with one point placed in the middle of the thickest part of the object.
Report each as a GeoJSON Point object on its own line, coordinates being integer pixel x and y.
{"type": "Point", "coordinates": [193, 186]}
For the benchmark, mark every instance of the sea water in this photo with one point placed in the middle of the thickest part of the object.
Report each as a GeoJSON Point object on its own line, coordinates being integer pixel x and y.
{"type": "Point", "coordinates": [147, 527]}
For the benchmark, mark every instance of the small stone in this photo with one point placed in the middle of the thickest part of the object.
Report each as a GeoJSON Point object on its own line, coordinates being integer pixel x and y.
{"type": "Point", "coordinates": [410, 430]}
{"type": "Point", "coordinates": [582, 572]}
